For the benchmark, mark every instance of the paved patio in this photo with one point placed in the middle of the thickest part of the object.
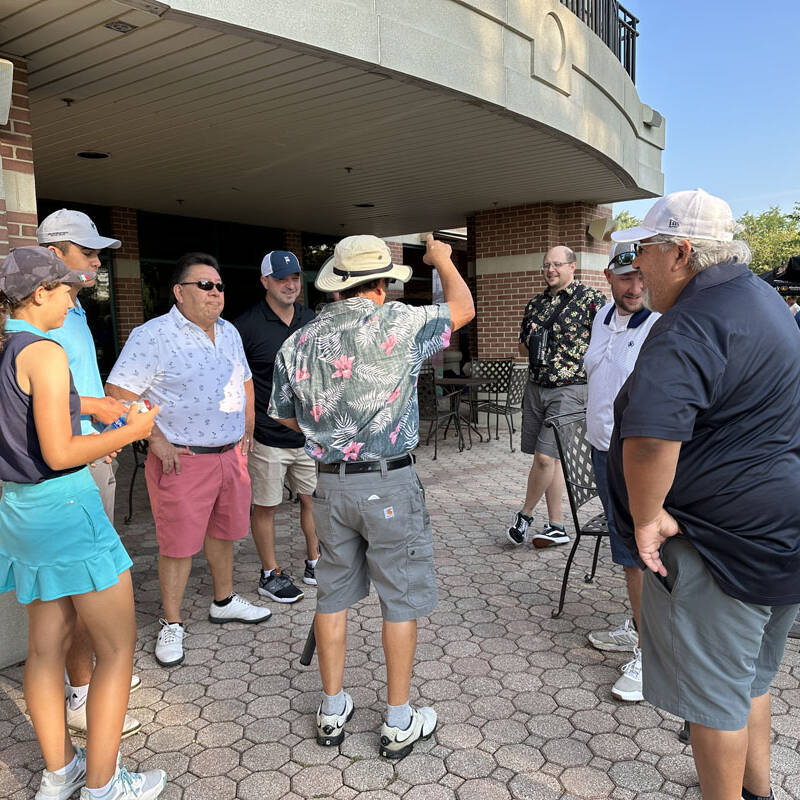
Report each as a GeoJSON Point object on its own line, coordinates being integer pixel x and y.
{"type": "Point", "coordinates": [524, 702]}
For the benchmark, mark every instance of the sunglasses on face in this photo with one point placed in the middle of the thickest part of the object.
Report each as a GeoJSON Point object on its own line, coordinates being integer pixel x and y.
{"type": "Point", "coordinates": [623, 259]}
{"type": "Point", "coordinates": [637, 246]}
{"type": "Point", "coordinates": [205, 286]}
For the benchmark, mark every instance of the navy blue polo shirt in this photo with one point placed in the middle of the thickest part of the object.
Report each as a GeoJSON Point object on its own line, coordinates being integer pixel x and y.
{"type": "Point", "coordinates": [720, 372]}
{"type": "Point", "coordinates": [263, 332]}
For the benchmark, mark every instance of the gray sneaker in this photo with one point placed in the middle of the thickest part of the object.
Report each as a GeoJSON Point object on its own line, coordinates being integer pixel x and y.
{"type": "Point", "coordinates": [60, 787]}
{"type": "Point", "coordinates": [330, 727]}
{"type": "Point", "coordinates": [132, 785]}
{"type": "Point", "coordinates": [624, 639]}
{"type": "Point", "coordinates": [397, 744]}
{"type": "Point", "coordinates": [278, 587]}
{"type": "Point", "coordinates": [629, 685]}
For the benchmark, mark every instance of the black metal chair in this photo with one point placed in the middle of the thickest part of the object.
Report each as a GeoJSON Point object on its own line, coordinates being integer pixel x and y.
{"type": "Point", "coordinates": [512, 404]}
{"type": "Point", "coordinates": [497, 372]}
{"type": "Point", "coordinates": [575, 453]}
{"type": "Point", "coordinates": [430, 411]}
{"type": "Point", "coordinates": [140, 449]}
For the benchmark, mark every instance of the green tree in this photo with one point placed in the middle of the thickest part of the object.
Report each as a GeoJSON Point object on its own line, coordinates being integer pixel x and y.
{"type": "Point", "coordinates": [626, 220]}
{"type": "Point", "coordinates": [773, 237]}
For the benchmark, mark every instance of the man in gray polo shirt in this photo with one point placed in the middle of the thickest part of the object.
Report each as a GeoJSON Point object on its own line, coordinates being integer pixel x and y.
{"type": "Point", "coordinates": [704, 458]}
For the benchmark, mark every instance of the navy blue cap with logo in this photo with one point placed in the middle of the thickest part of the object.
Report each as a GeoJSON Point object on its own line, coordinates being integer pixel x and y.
{"type": "Point", "coordinates": [279, 264]}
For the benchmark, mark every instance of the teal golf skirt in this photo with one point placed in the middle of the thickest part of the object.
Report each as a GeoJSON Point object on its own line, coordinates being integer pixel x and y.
{"type": "Point", "coordinates": [56, 540]}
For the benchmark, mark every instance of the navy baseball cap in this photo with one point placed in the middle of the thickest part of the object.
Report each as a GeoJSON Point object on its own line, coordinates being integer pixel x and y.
{"type": "Point", "coordinates": [279, 264]}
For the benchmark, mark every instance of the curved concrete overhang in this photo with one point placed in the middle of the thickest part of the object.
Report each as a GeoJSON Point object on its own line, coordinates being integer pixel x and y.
{"type": "Point", "coordinates": [297, 113]}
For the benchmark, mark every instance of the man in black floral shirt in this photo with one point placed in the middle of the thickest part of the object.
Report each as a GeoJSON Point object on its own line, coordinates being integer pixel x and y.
{"type": "Point", "coordinates": [554, 336]}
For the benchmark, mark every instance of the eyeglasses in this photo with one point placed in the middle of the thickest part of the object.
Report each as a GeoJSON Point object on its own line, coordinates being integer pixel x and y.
{"type": "Point", "coordinates": [622, 259]}
{"type": "Point", "coordinates": [205, 286]}
{"type": "Point", "coordinates": [637, 246]}
{"type": "Point", "coordinates": [555, 264]}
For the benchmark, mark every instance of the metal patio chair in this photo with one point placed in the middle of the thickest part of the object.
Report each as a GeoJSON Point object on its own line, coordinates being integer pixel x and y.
{"type": "Point", "coordinates": [507, 407]}
{"type": "Point", "coordinates": [430, 411]}
{"type": "Point", "coordinates": [575, 453]}
{"type": "Point", "coordinates": [497, 372]}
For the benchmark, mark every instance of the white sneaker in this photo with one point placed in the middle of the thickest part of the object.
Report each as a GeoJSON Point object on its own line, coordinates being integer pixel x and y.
{"type": "Point", "coordinates": [397, 744]}
{"type": "Point", "coordinates": [629, 685]}
{"type": "Point", "coordinates": [136, 683]}
{"type": "Point", "coordinates": [623, 639]}
{"type": "Point", "coordinates": [238, 610]}
{"type": "Point", "coordinates": [60, 787]}
{"type": "Point", "coordinates": [132, 785]}
{"type": "Point", "coordinates": [76, 722]}
{"type": "Point", "coordinates": [169, 646]}
{"type": "Point", "coordinates": [330, 727]}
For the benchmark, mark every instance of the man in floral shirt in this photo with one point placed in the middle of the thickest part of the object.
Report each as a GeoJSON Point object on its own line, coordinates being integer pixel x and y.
{"type": "Point", "coordinates": [347, 381]}
{"type": "Point", "coordinates": [554, 336]}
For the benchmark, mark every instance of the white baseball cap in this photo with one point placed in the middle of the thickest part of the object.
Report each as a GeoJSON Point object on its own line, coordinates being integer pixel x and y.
{"type": "Point", "coordinates": [620, 259]}
{"type": "Point", "coordinates": [693, 214]}
{"type": "Point", "coordinates": [66, 225]}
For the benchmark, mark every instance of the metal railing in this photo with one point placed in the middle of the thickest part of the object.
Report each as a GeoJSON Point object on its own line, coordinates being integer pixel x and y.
{"type": "Point", "coordinates": [614, 24]}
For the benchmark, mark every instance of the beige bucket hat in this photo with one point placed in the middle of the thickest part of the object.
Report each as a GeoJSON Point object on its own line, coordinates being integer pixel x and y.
{"type": "Point", "coordinates": [359, 259]}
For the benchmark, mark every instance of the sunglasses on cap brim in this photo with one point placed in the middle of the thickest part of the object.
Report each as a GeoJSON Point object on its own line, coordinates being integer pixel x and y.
{"type": "Point", "coordinates": [623, 259]}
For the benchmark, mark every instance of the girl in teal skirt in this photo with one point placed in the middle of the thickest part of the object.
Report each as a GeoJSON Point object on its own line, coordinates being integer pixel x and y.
{"type": "Point", "coordinates": [58, 550]}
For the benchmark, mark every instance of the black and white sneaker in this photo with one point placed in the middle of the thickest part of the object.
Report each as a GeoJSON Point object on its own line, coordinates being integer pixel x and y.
{"type": "Point", "coordinates": [397, 743]}
{"type": "Point", "coordinates": [308, 576]}
{"type": "Point", "coordinates": [278, 587]}
{"type": "Point", "coordinates": [330, 727]}
{"type": "Point", "coordinates": [517, 534]}
{"type": "Point", "coordinates": [550, 535]}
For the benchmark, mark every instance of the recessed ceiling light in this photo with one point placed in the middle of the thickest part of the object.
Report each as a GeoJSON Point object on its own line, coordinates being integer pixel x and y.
{"type": "Point", "coordinates": [92, 154]}
{"type": "Point", "coordinates": [120, 26]}
{"type": "Point", "coordinates": [364, 205]}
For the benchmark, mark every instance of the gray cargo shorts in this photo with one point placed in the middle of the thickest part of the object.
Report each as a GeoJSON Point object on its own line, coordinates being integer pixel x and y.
{"type": "Point", "coordinates": [374, 527]}
{"type": "Point", "coordinates": [541, 402]}
{"type": "Point", "coordinates": [704, 653]}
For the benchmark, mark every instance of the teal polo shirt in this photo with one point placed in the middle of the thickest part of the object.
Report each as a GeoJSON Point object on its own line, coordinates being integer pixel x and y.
{"type": "Point", "coordinates": [76, 338]}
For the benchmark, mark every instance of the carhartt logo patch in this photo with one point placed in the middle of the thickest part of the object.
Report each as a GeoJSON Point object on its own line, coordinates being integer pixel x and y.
{"type": "Point", "coordinates": [388, 512]}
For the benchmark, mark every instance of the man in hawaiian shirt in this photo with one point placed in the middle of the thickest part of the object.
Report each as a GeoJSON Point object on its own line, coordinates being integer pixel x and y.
{"type": "Point", "coordinates": [563, 315]}
{"type": "Point", "coordinates": [347, 381]}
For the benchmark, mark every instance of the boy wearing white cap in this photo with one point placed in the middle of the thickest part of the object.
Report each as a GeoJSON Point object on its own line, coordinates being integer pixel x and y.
{"type": "Point", "coordinates": [74, 238]}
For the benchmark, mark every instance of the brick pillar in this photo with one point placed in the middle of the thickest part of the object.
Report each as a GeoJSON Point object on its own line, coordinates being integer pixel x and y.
{"type": "Point", "coordinates": [17, 188]}
{"type": "Point", "coordinates": [509, 247]}
{"type": "Point", "coordinates": [293, 242]}
{"type": "Point", "coordinates": [396, 289]}
{"type": "Point", "coordinates": [127, 272]}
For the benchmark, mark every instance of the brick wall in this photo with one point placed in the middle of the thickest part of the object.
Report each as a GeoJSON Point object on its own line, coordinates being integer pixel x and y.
{"type": "Point", "coordinates": [126, 276]}
{"type": "Point", "coordinates": [17, 226]}
{"type": "Point", "coordinates": [293, 242]}
{"type": "Point", "coordinates": [534, 228]}
{"type": "Point", "coordinates": [396, 289]}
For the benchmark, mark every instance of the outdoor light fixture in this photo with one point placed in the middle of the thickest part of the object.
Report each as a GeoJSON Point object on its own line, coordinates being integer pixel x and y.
{"type": "Point", "coordinates": [120, 27]}
{"type": "Point", "coordinates": [92, 155]}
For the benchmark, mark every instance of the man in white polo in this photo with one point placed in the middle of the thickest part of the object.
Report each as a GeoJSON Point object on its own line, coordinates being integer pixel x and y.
{"type": "Point", "coordinates": [618, 331]}
{"type": "Point", "coordinates": [190, 362]}
{"type": "Point", "coordinates": [278, 453]}
{"type": "Point", "coordinates": [74, 238]}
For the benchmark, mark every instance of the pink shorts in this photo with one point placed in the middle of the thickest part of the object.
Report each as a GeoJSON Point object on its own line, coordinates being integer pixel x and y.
{"type": "Point", "coordinates": [210, 497]}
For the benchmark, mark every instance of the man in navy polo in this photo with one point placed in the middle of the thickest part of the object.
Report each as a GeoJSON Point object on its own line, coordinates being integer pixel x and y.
{"type": "Point", "coordinates": [704, 454]}
{"type": "Point", "coordinates": [278, 453]}
{"type": "Point", "coordinates": [618, 332]}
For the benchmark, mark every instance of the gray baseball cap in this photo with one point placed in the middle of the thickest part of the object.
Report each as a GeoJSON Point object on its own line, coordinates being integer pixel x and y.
{"type": "Point", "coordinates": [66, 225]}
{"type": "Point", "coordinates": [621, 258]}
{"type": "Point", "coordinates": [26, 268]}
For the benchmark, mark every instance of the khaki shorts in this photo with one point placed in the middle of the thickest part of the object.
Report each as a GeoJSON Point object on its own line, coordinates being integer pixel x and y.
{"type": "Point", "coordinates": [705, 654]}
{"type": "Point", "coordinates": [270, 467]}
{"type": "Point", "coordinates": [374, 527]}
{"type": "Point", "coordinates": [541, 402]}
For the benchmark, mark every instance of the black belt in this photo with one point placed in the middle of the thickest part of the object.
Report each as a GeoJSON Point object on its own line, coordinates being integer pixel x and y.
{"type": "Point", "coordinates": [353, 467]}
{"type": "Point", "coordinates": [223, 448]}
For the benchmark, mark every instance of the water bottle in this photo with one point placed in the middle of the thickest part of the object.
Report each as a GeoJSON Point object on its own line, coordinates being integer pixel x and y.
{"type": "Point", "coordinates": [141, 406]}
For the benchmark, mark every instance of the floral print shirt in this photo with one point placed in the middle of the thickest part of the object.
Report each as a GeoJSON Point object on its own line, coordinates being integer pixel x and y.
{"type": "Point", "coordinates": [569, 333]}
{"type": "Point", "coordinates": [349, 377]}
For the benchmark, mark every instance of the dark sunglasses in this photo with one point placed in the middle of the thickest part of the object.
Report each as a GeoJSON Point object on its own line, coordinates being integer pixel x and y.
{"type": "Point", "coordinates": [205, 286]}
{"type": "Point", "coordinates": [623, 259]}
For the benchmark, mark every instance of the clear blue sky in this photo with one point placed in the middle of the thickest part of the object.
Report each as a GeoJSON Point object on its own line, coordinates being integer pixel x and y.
{"type": "Point", "coordinates": [726, 75]}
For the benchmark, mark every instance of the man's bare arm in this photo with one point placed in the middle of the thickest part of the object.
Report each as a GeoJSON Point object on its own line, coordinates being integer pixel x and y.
{"type": "Point", "coordinates": [456, 292]}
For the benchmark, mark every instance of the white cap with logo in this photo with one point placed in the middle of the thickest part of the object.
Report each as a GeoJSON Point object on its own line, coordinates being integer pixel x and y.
{"type": "Point", "coordinates": [66, 225]}
{"type": "Point", "coordinates": [692, 214]}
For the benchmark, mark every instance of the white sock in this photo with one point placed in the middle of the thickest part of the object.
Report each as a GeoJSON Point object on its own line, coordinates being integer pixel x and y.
{"type": "Point", "coordinates": [103, 789]}
{"type": "Point", "coordinates": [67, 767]}
{"type": "Point", "coordinates": [77, 696]}
{"type": "Point", "coordinates": [312, 562]}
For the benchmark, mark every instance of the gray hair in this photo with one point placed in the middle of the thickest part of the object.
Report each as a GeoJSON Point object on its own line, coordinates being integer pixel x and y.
{"type": "Point", "coordinates": [706, 252]}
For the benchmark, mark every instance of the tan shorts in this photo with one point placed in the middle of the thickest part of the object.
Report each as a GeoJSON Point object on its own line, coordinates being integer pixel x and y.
{"type": "Point", "coordinates": [269, 467]}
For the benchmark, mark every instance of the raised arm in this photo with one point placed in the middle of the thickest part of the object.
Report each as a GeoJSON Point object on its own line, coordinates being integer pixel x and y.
{"type": "Point", "coordinates": [456, 292]}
